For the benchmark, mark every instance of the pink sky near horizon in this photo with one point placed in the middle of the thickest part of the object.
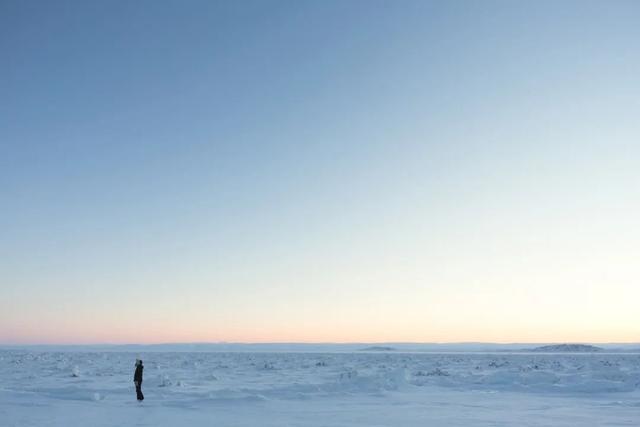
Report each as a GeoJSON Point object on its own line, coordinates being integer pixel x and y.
{"type": "Point", "coordinates": [156, 336]}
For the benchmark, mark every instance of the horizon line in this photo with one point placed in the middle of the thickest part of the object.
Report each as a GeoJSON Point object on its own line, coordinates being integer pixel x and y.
{"type": "Point", "coordinates": [106, 344]}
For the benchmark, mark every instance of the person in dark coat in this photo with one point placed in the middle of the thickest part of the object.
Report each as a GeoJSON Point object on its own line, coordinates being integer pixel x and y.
{"type": "Point", "coordinates": [137, 379]}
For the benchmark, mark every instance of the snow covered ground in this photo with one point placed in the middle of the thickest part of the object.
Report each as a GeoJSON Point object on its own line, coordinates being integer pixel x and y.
{"type": "Point", "coordinates": [319, 389]}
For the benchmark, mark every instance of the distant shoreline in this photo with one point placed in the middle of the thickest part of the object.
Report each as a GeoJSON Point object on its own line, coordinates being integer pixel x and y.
{"type": "Point", "coordinates": [336, 347]}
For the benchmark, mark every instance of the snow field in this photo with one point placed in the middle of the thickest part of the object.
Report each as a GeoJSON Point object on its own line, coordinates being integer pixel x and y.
{"type": "Point", "coordinates": [320, 389]}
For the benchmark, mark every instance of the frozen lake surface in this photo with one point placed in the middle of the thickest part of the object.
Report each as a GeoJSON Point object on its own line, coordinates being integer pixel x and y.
{"type": "Point", "coordinates": [320, 389]}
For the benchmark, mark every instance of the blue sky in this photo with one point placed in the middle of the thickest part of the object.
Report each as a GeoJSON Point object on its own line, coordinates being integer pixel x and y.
{"type": "Point", "coordinates": [319, 171]}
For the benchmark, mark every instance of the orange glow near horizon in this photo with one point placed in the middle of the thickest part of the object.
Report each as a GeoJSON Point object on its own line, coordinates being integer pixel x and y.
{"type": "Point", "coordinates": [344, 335]}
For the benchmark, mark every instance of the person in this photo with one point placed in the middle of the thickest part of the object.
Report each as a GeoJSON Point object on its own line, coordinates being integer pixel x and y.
{"type": "Point", "coordinates": [137, 379]}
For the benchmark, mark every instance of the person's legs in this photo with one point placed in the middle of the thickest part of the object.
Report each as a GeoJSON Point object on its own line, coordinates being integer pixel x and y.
{"type": "Point", "coordinates": [139, 392]}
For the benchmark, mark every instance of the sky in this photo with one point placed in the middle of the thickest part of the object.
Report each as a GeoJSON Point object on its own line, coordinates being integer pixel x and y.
{"type": "Point", "coordinates": [319, 171]}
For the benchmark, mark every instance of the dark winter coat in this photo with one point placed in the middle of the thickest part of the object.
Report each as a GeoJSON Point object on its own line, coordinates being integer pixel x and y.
{"type": "Point", "coordinates": [137, 377]}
